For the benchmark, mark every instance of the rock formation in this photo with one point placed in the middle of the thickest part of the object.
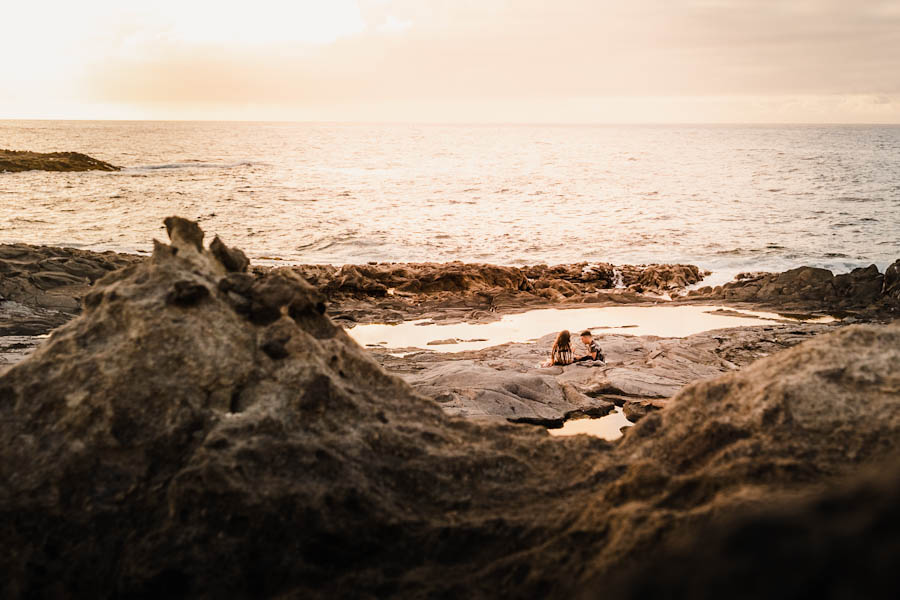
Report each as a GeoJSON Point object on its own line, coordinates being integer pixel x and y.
{"type": "Point", "coordinates": [21, 160]}
{"type": "Point", "coordinates": [840, 544]}
{"type": "Point", "coordinates": [808, 288]}
{"type": "Point", "coordinates": [641, 373]}
{"type": "Point", "coordinates": [206, 432]}
{"type": "Point", "coordinates": [41, 287]}
{"type": "Point", "coordinates": [392, 292]}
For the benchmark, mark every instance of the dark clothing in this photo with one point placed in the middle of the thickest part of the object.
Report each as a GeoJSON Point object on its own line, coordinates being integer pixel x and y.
{"type": "Point", "coordinates": [594, 352]}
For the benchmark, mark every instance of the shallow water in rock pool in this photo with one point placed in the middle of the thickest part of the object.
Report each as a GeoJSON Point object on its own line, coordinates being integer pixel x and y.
{"type": "Point", "coordinates": [608, 427]}
{"type": "Point", "coordinates": [662, 321]}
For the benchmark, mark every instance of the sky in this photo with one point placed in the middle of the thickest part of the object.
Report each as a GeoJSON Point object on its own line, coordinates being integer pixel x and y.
{"type": "Point", "coordinates": [472, 61]}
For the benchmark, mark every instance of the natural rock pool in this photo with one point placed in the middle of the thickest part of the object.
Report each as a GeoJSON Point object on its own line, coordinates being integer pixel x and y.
{"type": "Point", "coordinates": [662, 321]}
{"type": "Point", "coordinates": [608, 427]}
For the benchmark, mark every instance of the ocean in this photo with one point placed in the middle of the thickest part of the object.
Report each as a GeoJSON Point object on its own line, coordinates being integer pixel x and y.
{"type": "Point", "coordinates": [726, 198]}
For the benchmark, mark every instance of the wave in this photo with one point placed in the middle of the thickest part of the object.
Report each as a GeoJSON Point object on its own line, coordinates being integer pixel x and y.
{"type": "Point", "coordinates": [191, 165]}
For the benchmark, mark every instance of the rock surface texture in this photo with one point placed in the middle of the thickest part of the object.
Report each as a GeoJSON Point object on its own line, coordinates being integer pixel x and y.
{"type": "Point", "coordinates": [808, 288]}
{"type": "Point", "coordinates": [22, 160]}
{"type": "Point", "coordinates": [392, 292]}
{"type": "Point", "coordinates": [641, 373]}
{"type": "Point", "coordinates": [204, 432]}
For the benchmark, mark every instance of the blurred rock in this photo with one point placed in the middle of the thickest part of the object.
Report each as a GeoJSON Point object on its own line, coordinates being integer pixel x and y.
{"type": "Point", "coordinates": [162, 449]}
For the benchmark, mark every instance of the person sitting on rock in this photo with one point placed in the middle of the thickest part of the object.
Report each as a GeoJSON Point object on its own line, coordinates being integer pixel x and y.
{"type": "Point", "coordinates": [561, 353]}
{"type": "Point", "coordinates": [593, 348]}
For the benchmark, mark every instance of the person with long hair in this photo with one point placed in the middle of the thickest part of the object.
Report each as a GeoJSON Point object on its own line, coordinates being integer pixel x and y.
{"type": "Point", "coordinates": [561, 353]}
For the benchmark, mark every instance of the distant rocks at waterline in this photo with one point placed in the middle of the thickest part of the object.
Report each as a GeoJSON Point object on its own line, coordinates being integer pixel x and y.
{"type": "Point", "coordinates": [233, 442]}
{"type": "Point", "coordinates": [810, 287]}
{"type": "Point", "coordinates": [13, 161]}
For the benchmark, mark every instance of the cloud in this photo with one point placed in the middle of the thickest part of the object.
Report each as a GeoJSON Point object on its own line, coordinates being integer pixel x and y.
{"type": "Point", "coordinates": [442, 59]}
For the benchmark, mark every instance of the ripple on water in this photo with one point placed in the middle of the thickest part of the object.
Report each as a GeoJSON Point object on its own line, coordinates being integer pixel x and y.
{"type": "Point", "coordinates": [450, 193]}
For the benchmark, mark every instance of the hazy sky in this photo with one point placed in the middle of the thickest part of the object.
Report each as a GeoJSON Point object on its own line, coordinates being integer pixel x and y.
{"type": "Point", "coordinates": [454, 60]}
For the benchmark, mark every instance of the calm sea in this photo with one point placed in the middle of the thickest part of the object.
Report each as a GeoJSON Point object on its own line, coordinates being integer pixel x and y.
{"type": "Point", "coordinates": [727, 198]}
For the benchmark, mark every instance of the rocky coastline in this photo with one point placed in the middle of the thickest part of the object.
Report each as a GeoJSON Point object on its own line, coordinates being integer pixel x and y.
{"type": "Point", "coordinates": [43, 287]}
{"type": "Point", "coordinates": [202, 430]}
{"type": "Point", "coordinates": [15, 161]}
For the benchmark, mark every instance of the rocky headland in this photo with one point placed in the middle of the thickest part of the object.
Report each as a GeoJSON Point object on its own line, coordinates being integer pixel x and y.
{"type": "Point", "coordinates": [13, 161]}
{"type": "Point", "coordinates": [204, 431]}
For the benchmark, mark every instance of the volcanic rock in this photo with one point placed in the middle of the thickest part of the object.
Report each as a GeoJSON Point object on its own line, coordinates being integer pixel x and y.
{"type": "Point", "coordinates": [157, 449]}
{"type": "Point", "coordinates": [812, 289]}
{"type": "Point", "coordinates": [21, 160]}
{"type": "Point", "coordinates": [840, 544]}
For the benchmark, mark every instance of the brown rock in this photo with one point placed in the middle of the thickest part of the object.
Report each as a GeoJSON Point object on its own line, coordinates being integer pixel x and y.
{"type": "Point", "coordinates": [21, 160]}
{"type": "Point", "coordinates": [151, 450]}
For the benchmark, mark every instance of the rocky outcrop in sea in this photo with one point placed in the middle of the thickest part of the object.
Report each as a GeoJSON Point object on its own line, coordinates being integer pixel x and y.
{"type": "Point", "coordinates": [13, 161]}
{"type": "Point", "coordinates": [204, 431]}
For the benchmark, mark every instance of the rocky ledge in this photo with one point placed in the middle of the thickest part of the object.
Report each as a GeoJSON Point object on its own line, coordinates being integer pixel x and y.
{"type": "Point", "coordinates": [641, 373]}
{"type": "Point", "coordinates": [389, 292]}
{"type": "Point", "coordinates": [41, 287]}
{"type": "Point", "coordinates": [22, 160]}
{"type": "Point", "coordinates": [393, 292]}
{"type": "Point", "coordinates": [809, 288]}
{"type": "Point", "coordinates": [203, 432]}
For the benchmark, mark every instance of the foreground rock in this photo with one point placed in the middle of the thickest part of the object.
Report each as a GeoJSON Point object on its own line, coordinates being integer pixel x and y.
{"type": "Point", "coordinates": [206, 433]}
{"type": "Point", "coordinates": [21, 160]}
{"type": "Point", "coordinates": [840, 544]}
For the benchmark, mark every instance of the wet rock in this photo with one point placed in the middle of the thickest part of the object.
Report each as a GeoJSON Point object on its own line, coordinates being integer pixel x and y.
{"type": "Point", "coordinates": [415, 289]}
{"type": "Point", "coordinates": [663, 278]}
{"type": "Point", "coordinates": [21, 160]}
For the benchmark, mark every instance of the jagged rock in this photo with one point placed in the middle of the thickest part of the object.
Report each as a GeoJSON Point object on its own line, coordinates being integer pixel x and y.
{"type": "Point", "coordinates": [231, 258]}
{"type": "Point", "coordinates": [891, 283]}
{"type": "Point", "coordinates": [21, 160]}
{"type": "Point", "coordinates": [41, 287]}
{"type": "Point", "coordinates": [808, 287]}
{"type": "Point", "coordinates": [151, 449]}
{"type": "Point", "coordinates": [182, 231]}
{"type": "Point", "coordinates": [662, 278]}
{"type": "Point", "coordinates": [414, 288]}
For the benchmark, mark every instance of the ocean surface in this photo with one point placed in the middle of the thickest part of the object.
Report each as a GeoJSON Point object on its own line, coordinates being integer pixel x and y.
{"type": "Point", "coordinates": [727, 198]}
